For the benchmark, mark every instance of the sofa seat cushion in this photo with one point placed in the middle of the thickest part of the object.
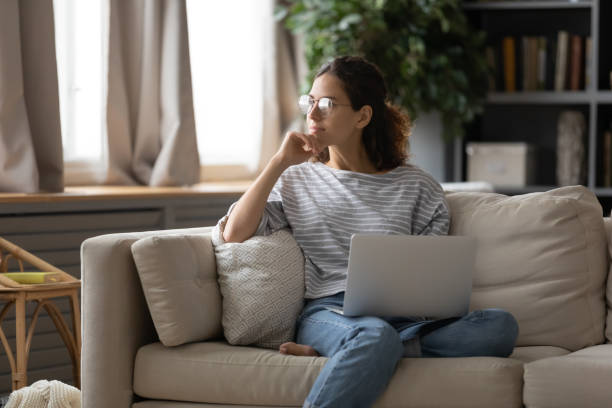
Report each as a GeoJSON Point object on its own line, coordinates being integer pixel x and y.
{"type": "Point", "coordinates": [217, 373]}
{"type": "Point", "coordinates": [176, 404]}
{"type": "Point", "coordinates": [580, 379]}
{"type": "Point", "coordinates": [533, 353]}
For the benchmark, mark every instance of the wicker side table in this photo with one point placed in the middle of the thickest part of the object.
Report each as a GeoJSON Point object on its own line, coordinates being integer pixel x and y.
{"type": "Point", "coordinates": [43, 294]}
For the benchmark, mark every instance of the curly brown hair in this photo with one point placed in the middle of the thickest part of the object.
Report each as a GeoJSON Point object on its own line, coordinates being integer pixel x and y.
{"type": "Point", "coordinates": [386, 136]}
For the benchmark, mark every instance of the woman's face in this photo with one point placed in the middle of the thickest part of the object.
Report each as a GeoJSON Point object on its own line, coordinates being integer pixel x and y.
{"type": "Point", "coordinates": [342, 124]}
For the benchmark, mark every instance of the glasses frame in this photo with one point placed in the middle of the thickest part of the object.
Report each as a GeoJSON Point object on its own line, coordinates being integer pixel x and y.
{"type": "Point", "coordinates": [325, 110]}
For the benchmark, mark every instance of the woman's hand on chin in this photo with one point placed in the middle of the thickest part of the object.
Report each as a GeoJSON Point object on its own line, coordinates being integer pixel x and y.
{"type": "Point", "coordinates": [299, 147]}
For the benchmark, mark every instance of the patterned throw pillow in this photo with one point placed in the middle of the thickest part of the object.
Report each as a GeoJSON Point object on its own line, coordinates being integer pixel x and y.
{"type": "Point", "coordinates": [262, 284]}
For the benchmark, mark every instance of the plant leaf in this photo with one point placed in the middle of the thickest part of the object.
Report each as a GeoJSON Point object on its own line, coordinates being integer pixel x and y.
{"type": "Point", "coordinates": [348, 20]}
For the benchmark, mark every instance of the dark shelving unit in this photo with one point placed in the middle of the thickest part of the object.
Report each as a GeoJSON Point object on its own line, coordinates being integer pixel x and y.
{"type": "Point", "coordinates": [531, 116]}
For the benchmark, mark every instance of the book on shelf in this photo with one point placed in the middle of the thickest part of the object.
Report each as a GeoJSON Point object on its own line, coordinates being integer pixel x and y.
{"type": "Point", "coordinates": [575, 72]}
{"type": "Point", "coordinates": [530, 63]}
{"type": "Point", "coordinates": [558, 61]}
{"type": "Point", "coordinates": [532, 56]}
{"type": "Point", "coordinates": [541, 64]}
{"type": "Point", "coordinates": [533, 63]}
{"type": "Point", "coordinates": [561, 60]}
{"type": "Point", "coordinates": [509, 58]}
{"type": "Point", "coordinates": [524, 54]}
{"type": "Point", "coordinates": [588, 57]}
{"type": "Point", "coordinates": [520, 59]}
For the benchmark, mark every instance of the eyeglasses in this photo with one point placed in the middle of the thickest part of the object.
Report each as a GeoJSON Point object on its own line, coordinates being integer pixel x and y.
{"type": "Point", "coordinates": [325, 104]}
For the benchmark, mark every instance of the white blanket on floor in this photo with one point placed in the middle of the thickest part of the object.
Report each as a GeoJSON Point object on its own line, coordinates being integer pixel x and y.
{"type": "Point", "coordinates": [45, 394]}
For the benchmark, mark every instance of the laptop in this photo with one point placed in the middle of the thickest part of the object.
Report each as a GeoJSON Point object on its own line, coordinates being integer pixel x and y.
{"type": "Point", "coordinates": [409, 276]}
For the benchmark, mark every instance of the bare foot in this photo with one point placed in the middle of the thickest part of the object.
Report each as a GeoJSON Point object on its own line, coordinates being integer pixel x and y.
{"type": "Point", "coordinates": [297, 350]}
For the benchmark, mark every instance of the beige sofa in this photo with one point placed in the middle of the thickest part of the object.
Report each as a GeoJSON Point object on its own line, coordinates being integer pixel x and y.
{"type": "Point", "coordinates": [543, 256]}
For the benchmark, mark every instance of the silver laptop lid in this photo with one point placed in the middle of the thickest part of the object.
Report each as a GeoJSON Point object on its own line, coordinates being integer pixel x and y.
{"type": "Point", "coordinates": [409, 276]}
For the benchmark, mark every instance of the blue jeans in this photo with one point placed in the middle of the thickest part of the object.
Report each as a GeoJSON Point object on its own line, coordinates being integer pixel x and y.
{"type": "Point", "coordinates": [364, 351]}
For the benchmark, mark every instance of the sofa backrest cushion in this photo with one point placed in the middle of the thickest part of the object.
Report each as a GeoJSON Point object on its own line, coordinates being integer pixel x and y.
{"type": "Point", "coordinates": [608, 225]}
{"type": "Point", "coordinates": [179, 281]}
{"type": "Point", "coordinates": [542, 257]}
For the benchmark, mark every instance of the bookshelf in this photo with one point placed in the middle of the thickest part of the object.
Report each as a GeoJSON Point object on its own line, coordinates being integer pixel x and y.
{"type": "Point", "coordinates": [531, 115]}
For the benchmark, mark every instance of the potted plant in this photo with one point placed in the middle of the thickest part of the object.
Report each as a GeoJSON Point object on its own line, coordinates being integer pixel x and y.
{"type": "Point", "coordinates": [431, 58]}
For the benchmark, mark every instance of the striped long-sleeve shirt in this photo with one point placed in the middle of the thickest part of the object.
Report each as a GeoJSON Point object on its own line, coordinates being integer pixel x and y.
{"type": "Point", "coordinates": [324, 206]}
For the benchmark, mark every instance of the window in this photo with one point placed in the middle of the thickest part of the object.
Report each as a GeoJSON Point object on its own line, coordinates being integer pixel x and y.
{"type": "Point", "coordinates": [79, 47]}
{"type": "Point", "coordinates": [226, 41]}
{"type": "Point", "coordinates": [225, 45]}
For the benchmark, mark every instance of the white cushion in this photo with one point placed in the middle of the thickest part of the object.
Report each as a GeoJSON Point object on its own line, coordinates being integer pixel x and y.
{"type": "Point", "coordinates": [262, 284]}
{"type": "Point", "coordinates": [179, 281]}
{"type": "Point", "coordinates": [542, 257]}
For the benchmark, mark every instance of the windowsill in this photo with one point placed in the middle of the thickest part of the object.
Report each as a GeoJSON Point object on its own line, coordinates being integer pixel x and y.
{"type": "Point", "coordinates": [84, 193]}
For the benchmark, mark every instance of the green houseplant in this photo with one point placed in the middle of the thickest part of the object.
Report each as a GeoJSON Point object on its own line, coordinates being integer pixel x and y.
{"type": "Point", "coordinates": [431, 58]}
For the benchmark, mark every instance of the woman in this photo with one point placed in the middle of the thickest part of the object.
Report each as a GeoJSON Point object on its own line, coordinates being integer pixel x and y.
{"type": "Point", "coordinates": [346, 175]}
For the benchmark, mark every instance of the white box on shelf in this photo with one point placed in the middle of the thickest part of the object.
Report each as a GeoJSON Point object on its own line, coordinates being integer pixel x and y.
{"type": "Point", "coordinates": [501, 164]}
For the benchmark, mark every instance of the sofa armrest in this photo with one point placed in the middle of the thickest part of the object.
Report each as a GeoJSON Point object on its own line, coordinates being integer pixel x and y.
{"type": "Point", "coordinates": [115, 317]}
